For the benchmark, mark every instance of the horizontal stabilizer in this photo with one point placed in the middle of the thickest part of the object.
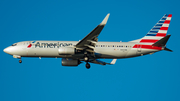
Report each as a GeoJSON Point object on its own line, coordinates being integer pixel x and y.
{"type": "Point", "coordinates": [162, 42]}
{"type": "Point", "coordinates": [113, 61]}
{"type": "Point", "coordinates": [104, 63]}
{"type": "Point", "coordinates": [168, 49]}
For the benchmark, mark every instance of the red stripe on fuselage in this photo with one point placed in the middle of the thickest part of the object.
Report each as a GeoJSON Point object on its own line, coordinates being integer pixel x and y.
{"type": "Point", "coordinates": [147, 47]}
{"type": "Point", "coordinates": [148, 41]}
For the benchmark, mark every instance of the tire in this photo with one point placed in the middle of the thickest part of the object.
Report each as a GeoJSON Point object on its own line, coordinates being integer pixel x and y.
{"type": "Point", "coordinates": [88, 65]}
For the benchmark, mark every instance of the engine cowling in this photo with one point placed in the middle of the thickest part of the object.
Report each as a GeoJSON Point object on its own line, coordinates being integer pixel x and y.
{"type": "Point", "coordinates": [66, 51]}
{"type": "Point", "coordinates": [70, 62]}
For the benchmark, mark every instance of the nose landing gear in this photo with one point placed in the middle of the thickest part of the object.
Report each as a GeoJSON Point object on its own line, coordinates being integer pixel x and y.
{"type": "Point", "coordinates": [20, 61]}
{"type": "Point", "coordinates": [88, 65]}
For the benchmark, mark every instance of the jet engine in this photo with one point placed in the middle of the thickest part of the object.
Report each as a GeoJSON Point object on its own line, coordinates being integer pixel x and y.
{"type": "Point", "coordinates": [70, 62]}
{"type": "Point", "coordinates": [66, 51]}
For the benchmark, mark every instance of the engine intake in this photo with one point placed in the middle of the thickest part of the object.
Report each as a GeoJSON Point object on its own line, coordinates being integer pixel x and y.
{"type": "Point", "coordinates": [66, 51]}
{"type": "Point", "coordinates": [70, 62]}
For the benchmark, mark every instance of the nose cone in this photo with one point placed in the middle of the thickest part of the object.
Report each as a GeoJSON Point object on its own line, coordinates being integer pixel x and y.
{"type": "Point", "coordinates": [7, 50]}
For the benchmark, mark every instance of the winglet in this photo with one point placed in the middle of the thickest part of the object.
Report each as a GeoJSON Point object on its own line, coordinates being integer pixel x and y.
{"type": "Point", "coordinates": [113, 61]}
{"type": "Point", "coordinates": [105, 20]}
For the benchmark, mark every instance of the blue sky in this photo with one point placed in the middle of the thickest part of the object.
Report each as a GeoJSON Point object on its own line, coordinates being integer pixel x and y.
{"type": "Point", "coordinates": [151, 77]}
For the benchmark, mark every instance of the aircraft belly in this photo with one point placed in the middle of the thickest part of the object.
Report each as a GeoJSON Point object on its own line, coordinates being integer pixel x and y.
{"type": "Point", "coordinates": [147, 51]}
{"type": "Point", "coordinates": [135, 52]}
{"type": "Point", "coordinates": [131, 53]}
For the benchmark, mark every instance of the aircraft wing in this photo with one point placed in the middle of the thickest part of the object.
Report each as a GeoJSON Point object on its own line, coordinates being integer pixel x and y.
{"type": "Point", "coordinates": [103, 63]}
{"type": "Point", "coordinates": [90, 40]}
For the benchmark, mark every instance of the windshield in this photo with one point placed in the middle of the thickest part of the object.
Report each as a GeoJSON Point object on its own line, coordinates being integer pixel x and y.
{"type": "Point", "coordinates": [14, 44]}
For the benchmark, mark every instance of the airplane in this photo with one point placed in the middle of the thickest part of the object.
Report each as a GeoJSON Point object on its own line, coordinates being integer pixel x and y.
{"type": "Point", "coordinates": [90, 50]}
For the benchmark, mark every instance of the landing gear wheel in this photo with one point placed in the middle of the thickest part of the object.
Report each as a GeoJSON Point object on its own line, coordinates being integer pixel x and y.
{"type": "Point", "coordinates": [20, 61]}
{"type": "Point", "coordinates": [88, 65]}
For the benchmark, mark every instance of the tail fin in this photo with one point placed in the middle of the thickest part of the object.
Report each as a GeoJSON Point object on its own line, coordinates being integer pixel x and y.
{"type": "Point", "coordinates": [158, 32]}
{"type": "Point", "coordinates": [160, 29]}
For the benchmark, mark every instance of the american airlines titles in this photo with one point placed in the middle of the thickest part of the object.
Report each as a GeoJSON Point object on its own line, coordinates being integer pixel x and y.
{"type": "Point", "coordinates": [51, 45]}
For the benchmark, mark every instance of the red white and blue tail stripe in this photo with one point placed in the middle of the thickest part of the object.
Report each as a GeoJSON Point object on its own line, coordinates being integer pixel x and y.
{"type": "Point", "coordinates": [160, 29]}
{"type": "Point", "coordinates": [155, 34]}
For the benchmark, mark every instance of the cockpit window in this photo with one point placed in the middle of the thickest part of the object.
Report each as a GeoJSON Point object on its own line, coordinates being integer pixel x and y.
{"type": "Point", "coordinates": [14, 44]}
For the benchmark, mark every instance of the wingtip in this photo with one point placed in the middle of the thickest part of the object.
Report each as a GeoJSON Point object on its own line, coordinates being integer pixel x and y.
{"type": "Point", "coordinates": [105, 20]}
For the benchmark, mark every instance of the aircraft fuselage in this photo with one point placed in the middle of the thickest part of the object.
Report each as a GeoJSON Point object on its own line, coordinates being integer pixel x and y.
{"type": "Point", "coordinates": [51, 49]}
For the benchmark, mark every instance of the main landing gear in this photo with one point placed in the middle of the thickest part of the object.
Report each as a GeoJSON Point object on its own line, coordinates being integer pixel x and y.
{"type": "Point", "coordinates": [86, 59]}
{"type": "Point", "coordinates": [88, 65]}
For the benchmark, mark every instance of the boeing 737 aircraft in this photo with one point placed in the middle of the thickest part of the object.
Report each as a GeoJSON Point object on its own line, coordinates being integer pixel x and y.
{"type": "Point", "coordinates": [90, 50]}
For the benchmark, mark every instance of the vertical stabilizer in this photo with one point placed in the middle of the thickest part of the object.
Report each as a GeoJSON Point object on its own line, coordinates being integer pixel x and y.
{"type": "Point", "coordinates": [156, 38]}
{"type": "Point", "coordinates": [157, 32]}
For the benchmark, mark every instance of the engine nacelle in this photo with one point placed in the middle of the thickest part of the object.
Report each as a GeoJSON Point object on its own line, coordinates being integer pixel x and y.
{"type": "Point", "coordinates": [66, 51]}
{"type": "Point", "coordinates": [70, 62]}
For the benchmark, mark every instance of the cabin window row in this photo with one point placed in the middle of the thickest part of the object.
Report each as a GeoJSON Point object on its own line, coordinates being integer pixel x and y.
{"type": "Point", "coordinates": [112, 46]}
